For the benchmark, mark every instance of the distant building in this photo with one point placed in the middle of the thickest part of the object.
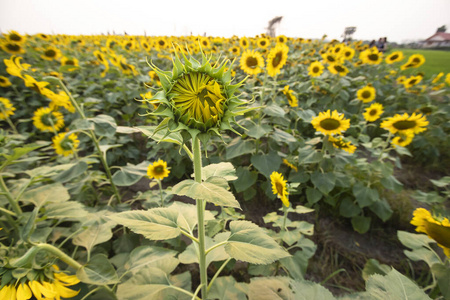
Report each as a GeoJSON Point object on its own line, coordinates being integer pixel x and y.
{"type": "Point", "coordinates": [437, 40]}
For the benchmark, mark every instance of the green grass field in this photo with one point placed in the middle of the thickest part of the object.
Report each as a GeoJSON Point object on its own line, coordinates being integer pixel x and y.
{"type": "Point", "coordinates": [435, 61]}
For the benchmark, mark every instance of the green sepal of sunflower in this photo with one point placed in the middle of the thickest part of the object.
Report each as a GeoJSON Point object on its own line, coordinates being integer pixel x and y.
{"type": "Point", "coordinates": [165, 77]}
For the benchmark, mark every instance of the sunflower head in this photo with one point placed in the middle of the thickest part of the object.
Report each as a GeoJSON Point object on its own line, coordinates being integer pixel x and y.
{"type": "Point", "coordinates": [340, 143]}
{"type": "Point", "coordinates": [415, 123]}
{"type": "Point", "coordinates": [366, 94]}
{"type": "Point", "coordinates": [65, 144]}
{"type": "Point", "coordinates": [279, 187]}
{"type": "Point", "coordinates": [197, 98]}
{"type": "Point", "coordinates": [330, 123]}
{"type": "Point", "coordinates": [403, 139]}
{"type": "Point", "coordinates": [293, 102]}
{"type": "Point", "coordinates": [315, 69]}
{"type": "Point", "coordinates": [158, 170]}
{"type": "Point", "coordinates": [6, 108]}
{"type": "Point", "coordinates": [373, 112]}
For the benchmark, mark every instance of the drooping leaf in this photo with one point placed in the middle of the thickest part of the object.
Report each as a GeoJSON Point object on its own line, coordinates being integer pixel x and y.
{"type": "Point", "coordinates": [95, 233]}
{"type": "Point", "coordinates": [55, 192]}
{"type": "Point", "coordinates": [98, 271]}
{"type": "Point", "coordinates": [130, 174]}
{"type": "Point", "coordinates": [394, 286]}
{"type": "Point", "coordinates": [154, 224]}
{"type": "Point", "coordinates": [206, 191]}
{"type": "Point", "coordinates": [224, 169]}
{"type": "Point", "coordinates": [104, 125]}
{"type": "Point", "coordinates": [250, 243]}
{"type": "Point", "coordinates": [66, 210]}
{"type": "Point", "coordinates": [239, 147]}
{"type": "Point", "coordinates": [246, 179]}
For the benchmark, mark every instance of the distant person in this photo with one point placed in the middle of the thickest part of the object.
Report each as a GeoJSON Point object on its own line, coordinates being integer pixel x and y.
{"type": "Point", "coordinates": [372, 44]}
{"type": "Point", "coordinates": [382, 44]}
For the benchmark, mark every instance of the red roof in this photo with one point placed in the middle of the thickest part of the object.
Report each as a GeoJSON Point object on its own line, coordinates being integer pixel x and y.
{"type": "Point", "coordinates": [442, 35]}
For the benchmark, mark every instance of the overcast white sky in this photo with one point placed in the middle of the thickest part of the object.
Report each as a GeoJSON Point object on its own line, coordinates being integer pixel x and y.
{"type": "Point", "coordinates": [398, 20]}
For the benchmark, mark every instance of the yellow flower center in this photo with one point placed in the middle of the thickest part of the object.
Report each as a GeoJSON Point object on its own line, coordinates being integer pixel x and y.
{"type": "Point", "coordinates": [330, 124]}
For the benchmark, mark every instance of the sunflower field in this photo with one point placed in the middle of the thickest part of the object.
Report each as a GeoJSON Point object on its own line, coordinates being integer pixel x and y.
{"type": "Point", "coordinates": [136, 167]}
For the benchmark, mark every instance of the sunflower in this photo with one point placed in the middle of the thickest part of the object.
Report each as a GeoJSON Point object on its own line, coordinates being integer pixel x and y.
{"type": "Point", "coordinates": [199, 97]}
{"type": "Point", "coordinates": [330, 122]}
{"type": "Point", "coordinates": [366, 94]}
{"type": "Point", "coordinates": [373, 112]}
{"type": "Point", "coordinates": [51, 53]}
{"type": "Point", "coordinates": [101, 58]}
{"type": "Point", "coordinates": [44, 285]}
{"type": "Point", "coordinates": [204, 41]}
{"type": "Point", "coordinates": [59, 100]}
{"type": "Point", "coordinates": [281, 39]}
{"type": "Point", "coordinates": [412, 81]}
{"type": "Point", "coordinates": [414, 61]}
{"type": "Point", "coordinates": [252, 62]}
{"type": "Point", "coordinates": [244, 43]}
{"type": "Point", "coordinates": [4, 81]}
{"type": "Point", "coordinates": [235, 50]}
{"type": "Point", "coordinates": [338, 69]}
{"type": "Point", "coordinates": [371, 56]}
{"type": "Point", "coordinates": [405, 123]}
{"type": "Point", "coordinates": [447, 78]}
{"type": "Point", "coordinates": [287, 163]}
{"type": "Point", "coordinates": [438, 230]}
{"type": "Point", "coordinates": [279, 187]}
{"type": "Point", "coordinates": [293, 102]}
{"type": "Point", "coordinates": [330, 58]}
{"type": "Point", "coordinates": [14, 67]}
{"type": "Point", "coordinates": [263, 42]}
{"type": "Point", "coordinates": [158, 170]}
{"type": "Point", "coordinates": [339, 143]}
{"type": "Point", "coordinates": [43, 36]}
{"type": "Point", "coordinates": [14, 37]}
{"type": "Point", "coordinates": [65, 144]}
{"type": "Point", "coordinates": [45, 119]}
{"type": "Point", "coordinates": [161, 43]}
{"type": "Point", "coordinates": [403, 139]}
{"type": "Point", "coordinates": [315, 69]}
{"type": "Point", "coordinates": [66, 61]}
{"type": "Point", "coordinates": [394, 57]}
{"type": "Point", "coordinates": [37, 86]}
{"type": "Point", "coordinates": [277, 59]}
{"type": "Point", "coordinates": [12, 48]}
{"type": "Point", "coordinates": [6, 108]}
{"type": "Point", "coordinates": [438, 77]}
{"type": "Point", "coordinates": [348, 53]}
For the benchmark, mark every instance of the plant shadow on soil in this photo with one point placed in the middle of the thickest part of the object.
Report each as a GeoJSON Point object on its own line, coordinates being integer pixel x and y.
{"type": "Point", "coordinates": [341, 252]}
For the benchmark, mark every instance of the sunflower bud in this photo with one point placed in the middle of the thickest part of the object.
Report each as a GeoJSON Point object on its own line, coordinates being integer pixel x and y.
{"type": "Point", "coordinates": [197, 98]}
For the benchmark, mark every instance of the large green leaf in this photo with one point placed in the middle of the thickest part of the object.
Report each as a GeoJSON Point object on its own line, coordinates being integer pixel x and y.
{"type": "Point", "coordinates": [394, 286]}
{"type": "Point", "coordinates": [274, 111]}
{"type": "Point", "coordinates": [442, 273]}
{"type": "Point", "coordinates": [98, 271]}
{"type": "Point", "coordinates": [364, 195]}
{"type": "Point", "coordinates": [104, 125]}
{"type": "Point", "coordinates": [239, 147]}
{"type": "Point", "coordinates": [246, 179]}
{"type": "Point", "coordinates": [297, 264]}
{"type": "Point", "coordinates": [187, 215]}
{"type": "Point", "coordinates": [372, 267]}
{"type": "Point", "coordinates": [309, 155]}
{"type": "Point", "coordinates": [130, 174]}
{"type": "Point", "coordinates": [151, 284]}
{"type": "Point", "coordinates": [224, 169]}
{"type": "Point", "coordinates": [307, 290]}
{"type": "Point", "coordinates": [250, 243]}
{"type": "Point", "coordinates": [266, 163]}
{"type": "Point", "coordinates": [74, 171]}
{"type": "Point", "coordinates": [152, 256]}
{"type": "Point", "coordinates": [325, 182]}
{"type": "Point", "coordinates": [55, 192]}
{"type": "Point", "coordinates": [257, 130]}
{"type": "Point", "coordinates": [348, 208]}
{"type": "Point", "coordinates": [361, 223]}
{"type": "Point", "coordinates": [207, 191]}
{"type": "Point", "coordinates": [95, 233]}
{"type": "Point", "coordinates": [226, 288]}
{"type": "Point", "coordinates": [66, 210]}
{"type": "Point", "coordinates": [420, 245]}
{"type": "Point", "coordinates": [270, 288]}
{"type": "Point", "coordinates": [154, 224]}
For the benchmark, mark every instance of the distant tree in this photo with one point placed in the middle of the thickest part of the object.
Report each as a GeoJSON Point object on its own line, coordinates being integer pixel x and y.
{"type": "Point", "coordinates": [348, 32]}
{"type": "Point", "coordinates": [443, 28]}
{"type": "Point", "coordinates": [271, 26]}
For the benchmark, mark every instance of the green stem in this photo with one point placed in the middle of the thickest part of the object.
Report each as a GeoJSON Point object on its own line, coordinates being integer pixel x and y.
{"type": "Point", "coordinates": [61, 255]}
{"type": "Point", "coordinates": [193, 238]}
{"type": "Point", "coordinates": [215, 246]}
{"type": "Point", "coordinates": [385, 146]}
{"type": "Point", "coordinates": [217, 273]}
{"type": "Point", "coordinates": [200, 218]}
{"type": "Point", "coordinates": [160, 192]}
{"type": "Point", "coordinates": [11, 124]}
{"type": "Point", "coordinates": [189, 153]}
{"type": "Point", "coordinates": [95, 140]}
{"type": "Point", "coordinates": [15, 206]}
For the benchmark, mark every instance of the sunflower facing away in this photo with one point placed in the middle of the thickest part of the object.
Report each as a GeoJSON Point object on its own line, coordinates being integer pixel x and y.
{"type": "Point", "coordinates": [45, 119]}
{"type": "Point", "coordinates": [330, 122]}
{"type": "Point", "coordinates": [366, 94]}
{"type": "Point", "coordinates": [279, 187]}
{"type": "Point", "coordinates": [59, 100]}
{"type": "Point", "coordinates": [277, 59]}
{"type": "Point", "coordinates": [158, 170]}
{"type": "Point", "coordinates": [339, 143]}
{"type": "Point", "coordinates": [287, 163]}
{"type": "Point", "coordinates": [403, 139]}
{"type": "Point", "coordinates": [373, 112]}
{"type": "Point", "coordinates": [438, 230]}
{"type": "Point", "coordinates": [65, 144]}
{"type": "Point", "coordinates": [252, 62]}
{"type": "Point", "coordinates": [405, 123]}
{"type": "Point", "coordinates": [293, 102]}
{"type": "Point", "coordinates": [6, 108]}
{"type": "Point", "coordinates": [315, 69]}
